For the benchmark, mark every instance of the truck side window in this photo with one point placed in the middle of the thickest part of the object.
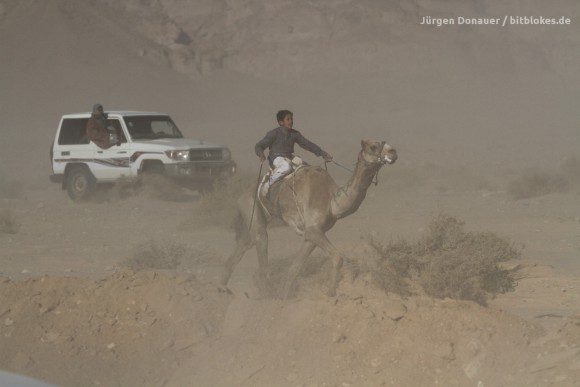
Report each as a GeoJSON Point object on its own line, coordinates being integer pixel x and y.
{"type": "Point", "coordinates": [73, 131]}
{"type": "Point", "coordinates": [117, 125]}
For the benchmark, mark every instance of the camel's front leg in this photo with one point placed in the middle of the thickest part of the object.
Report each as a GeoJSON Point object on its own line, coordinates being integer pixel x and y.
{"type": "Point", "coordinates": [322, 241]}
{"type": "Point", "coordinates": [305, 250]}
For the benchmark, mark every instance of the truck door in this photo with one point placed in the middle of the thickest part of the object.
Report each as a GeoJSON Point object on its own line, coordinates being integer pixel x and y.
{"type": "Point", "coordinates": [115, 161]}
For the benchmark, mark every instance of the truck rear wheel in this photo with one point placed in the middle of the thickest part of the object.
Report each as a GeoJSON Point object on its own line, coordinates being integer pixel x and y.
{"type": "Point", "coordinates": [80, 184]}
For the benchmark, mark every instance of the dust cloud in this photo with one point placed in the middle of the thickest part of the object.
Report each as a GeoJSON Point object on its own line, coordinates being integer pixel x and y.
{"type": "Point", "coordinates": [122, 290]}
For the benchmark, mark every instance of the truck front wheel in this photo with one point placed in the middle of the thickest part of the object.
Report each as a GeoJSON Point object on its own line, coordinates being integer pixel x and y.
{"type": "Point", "coordinates": [80, 184]}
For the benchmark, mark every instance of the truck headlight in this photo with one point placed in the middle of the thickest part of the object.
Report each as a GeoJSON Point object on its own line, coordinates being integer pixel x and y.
{"type": "Point", "coordinates": [226, 154]}
{"type": "Point", "coordinates": [180, 155]}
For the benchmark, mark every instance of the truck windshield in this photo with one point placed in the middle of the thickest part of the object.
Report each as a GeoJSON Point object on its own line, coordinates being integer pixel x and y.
{"type": "Point", "coordinates": [151, 127]}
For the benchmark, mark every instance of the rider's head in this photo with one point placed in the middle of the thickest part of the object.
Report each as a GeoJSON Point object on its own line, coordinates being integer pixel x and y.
{"type": "Point", "coordinates": [285, 118]}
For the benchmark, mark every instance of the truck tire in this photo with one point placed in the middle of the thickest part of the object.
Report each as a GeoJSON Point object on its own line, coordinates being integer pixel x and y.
{"type": "Point", "coordinates": [153, 168]}
{"type": "Point", "coordinates": [80, 183]}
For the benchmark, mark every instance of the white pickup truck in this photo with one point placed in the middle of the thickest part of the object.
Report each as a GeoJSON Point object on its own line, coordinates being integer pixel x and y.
{"type": "Point", "coordinates": [149, 142]}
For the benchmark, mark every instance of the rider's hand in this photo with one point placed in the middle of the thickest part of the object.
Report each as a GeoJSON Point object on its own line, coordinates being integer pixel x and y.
{"type": "Point", "coordinates": [327, 157]}
{"type": "Point", "coordinates": [262, 158]}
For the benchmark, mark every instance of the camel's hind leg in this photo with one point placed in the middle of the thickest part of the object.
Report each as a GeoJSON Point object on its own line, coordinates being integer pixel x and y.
{"type": "Point", "coordinates": [261, 240]}
{"type": "Point", "coordinates": [322, 241]}
{"type": "Point", "coordinates": [245, 239]}
{"type": "Point", "coordinates": [305, 250]}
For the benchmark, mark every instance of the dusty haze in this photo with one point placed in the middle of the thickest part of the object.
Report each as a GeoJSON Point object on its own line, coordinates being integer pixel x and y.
{"type": "Point", "coordinates": [470, 109]}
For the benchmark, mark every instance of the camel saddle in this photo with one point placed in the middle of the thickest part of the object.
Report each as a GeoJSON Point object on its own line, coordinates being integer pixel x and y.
{"type": "Point", "coordinates": [267, 202]}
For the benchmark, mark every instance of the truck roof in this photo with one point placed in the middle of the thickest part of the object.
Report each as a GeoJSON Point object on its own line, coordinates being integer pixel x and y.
{"type": "Point", "coordinates": [116, 112]}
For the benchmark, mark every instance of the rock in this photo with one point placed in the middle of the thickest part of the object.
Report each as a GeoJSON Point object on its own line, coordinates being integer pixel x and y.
{"type": "Point", "coordinates": [394, 309]}
{"type": "Point", "coordinates": [339, 338]}
{"type": "Point", "coordinates": [110, 345]}
{"type": "Point", "coordinates": [8, 321]}
{"type": "Point", "coordinates": [472, 368]}
{"type": "Point", "coordinates": [50, 337]}
{"type": "Point", "coordinates": [446, 351]}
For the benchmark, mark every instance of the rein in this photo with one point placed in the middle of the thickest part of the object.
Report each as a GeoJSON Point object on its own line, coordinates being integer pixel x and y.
{"type": "Point", "coordinates": [375, 177]}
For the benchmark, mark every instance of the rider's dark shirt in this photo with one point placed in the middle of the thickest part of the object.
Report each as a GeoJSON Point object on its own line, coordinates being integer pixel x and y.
{"type": "Point", "coordinates": [281, 143]}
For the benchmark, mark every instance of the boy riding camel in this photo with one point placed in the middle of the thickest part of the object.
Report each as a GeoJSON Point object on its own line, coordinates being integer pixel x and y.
{"type": "Point", "coordinates": [280, 142]}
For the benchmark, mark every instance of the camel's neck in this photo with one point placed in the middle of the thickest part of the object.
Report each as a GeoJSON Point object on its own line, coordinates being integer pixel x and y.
{"type": "Point", "coordinates": [348, 198]}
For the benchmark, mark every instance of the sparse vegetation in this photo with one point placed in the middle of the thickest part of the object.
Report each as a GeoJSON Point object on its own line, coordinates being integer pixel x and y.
{"type": "Point", "coordinates": [169, 255]}
{"type": "Point", "coordinates": [156, 255]}
{"type": "Point", "coordinates": [219, 206]}
{"type": "Point", "coordinates": [8, 222]}
{"type": "Point", "coordinates": [447, 262]}
{"type": "Point", "coordinates": [537, 183]}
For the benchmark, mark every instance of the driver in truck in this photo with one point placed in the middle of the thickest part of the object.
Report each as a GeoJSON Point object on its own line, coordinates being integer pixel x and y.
{"type": "Point", "coordinates": [98, 132]}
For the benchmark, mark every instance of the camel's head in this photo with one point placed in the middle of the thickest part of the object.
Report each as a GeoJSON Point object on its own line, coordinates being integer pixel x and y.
{"type": "Point", "coordinates": [378, 152]}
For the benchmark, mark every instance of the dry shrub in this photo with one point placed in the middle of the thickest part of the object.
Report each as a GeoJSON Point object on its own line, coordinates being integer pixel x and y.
{"type": "Point", "coordinates": [393, 267]}
{"type": "Point", "coordinates": [537, 183]}
{"type": "Point", "coordinates": [8, 222]}
{"type": "Point", "coordinates": [447, 262]}
{"type": "Point", "coordinates": [156, 255]}
{"type": "Point", "coordinates": [218, 207]}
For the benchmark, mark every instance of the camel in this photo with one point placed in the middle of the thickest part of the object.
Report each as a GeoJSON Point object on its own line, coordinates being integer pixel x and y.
{"type": "Point", "coordinates": [310, 202]}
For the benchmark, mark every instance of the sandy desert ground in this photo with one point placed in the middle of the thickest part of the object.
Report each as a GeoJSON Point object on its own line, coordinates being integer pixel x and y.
{"type": "Point", "coordinates": [473, 112]}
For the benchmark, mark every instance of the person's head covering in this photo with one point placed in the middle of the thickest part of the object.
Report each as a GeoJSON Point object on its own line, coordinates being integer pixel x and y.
{"type": "Point", "coordinates": [98, 111]}
{"type": "Point", "coordinates": [96, 108]}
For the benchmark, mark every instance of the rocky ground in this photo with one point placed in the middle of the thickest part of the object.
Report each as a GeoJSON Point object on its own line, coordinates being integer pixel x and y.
{"type": "Point", "coordinates": [72, 307]}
